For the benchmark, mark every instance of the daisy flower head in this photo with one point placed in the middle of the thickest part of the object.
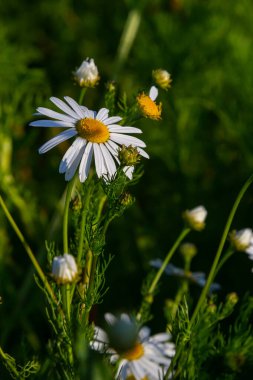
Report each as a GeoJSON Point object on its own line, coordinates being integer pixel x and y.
{"type": "Point", "coordinates": [162, 78]}
{"type": "Point", "coordinates": [148, 106]}
{"type": "Point", "coordinates": [64, 269]}
{"type": "Point", "coordinates": [87, 74]}
{"type": "Point", "coordinates": [139, 356]}
{"type": "Point", "coordinates": [195, 218]}
{"type": "Point", "coordinates": [96, 134]}
{"type": "Point", "coordinates": [242, 240]}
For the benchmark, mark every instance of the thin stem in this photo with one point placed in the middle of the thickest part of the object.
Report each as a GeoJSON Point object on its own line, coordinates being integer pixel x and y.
{"type": "Point", "coordinates": [83, 91]}
{"type": "Point", "coordinates": [11, 367]}
{"type": "Point", "coordinates": [28, 250]}
{"type": "Point", "coordinates": [227, 255]}
{"type": "Point", "coordinates": [82, 226]}
{"type": "Point", "coordinates": [167, 259]}
{"type": "Point", "coordinates": [70, 187]}
{"type": "Point", "coordinates": [220, 248]}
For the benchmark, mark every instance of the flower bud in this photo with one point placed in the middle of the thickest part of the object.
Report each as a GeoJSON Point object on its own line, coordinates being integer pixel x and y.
{"type": "Point", "coordinates": [232, 298]}
{"type": "Point", "coordinates": [64, 269]}
{"type": "Point", "coordinates": [162, 78]}
{"type": "Point", "coordinates": [195, 218]}
{"type": "Point", "coordinates": [188, 250]}
{"type": "Point", "coordinates": [126, 199]}
{"type": "Point", "coordinates": [129, 155]}
{"type": "Point", "coordinates": [87, 74]}
{"type": "Point", "coordinates": [241, 240]}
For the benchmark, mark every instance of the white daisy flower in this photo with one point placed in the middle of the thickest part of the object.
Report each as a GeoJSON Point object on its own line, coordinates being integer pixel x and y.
{"type": "Point", "coordinates": [96, 134]}
{"type": "Point", "coordinates": [196, 217]}
{"type": "Point", "coordinates": [87, 74]}
{"type": "Point", "coordinates": [139, 356]}
{"type": "Point", "coordinates": [64, 269]}
{"type": "Point", "coordinates": [242, 240]}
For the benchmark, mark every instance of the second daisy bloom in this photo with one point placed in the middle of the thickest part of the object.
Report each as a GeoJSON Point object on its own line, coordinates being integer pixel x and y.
{"type": "Point", "coordinates": [96, 134]}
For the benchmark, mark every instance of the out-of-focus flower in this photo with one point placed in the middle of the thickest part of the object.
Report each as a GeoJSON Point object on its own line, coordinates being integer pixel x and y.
{"type": "Point", "coordinates": [96, 134]}
{"type": "Point", "coordinates": [87, 74]}
{"type": "Point", "coordinates": [198, 278]}
{"type": "Point", "coordinates": [64, 269]}
{"type": "Point", "coordinates": [162, 78]}
{"type": "Point", "coordinates": [242, 240]}
{"type": "Point", "coordinates": [188, 250]}
{"type": "Point", "coordinates": [196, 217]}
{"type": "Point", "coordinates": [148, 106]}
{"type": "Point", "coordinates": [139, 355]}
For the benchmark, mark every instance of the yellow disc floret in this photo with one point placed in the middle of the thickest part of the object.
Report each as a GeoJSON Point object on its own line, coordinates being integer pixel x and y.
{"type": "Point", "coordinates": [148, 107]}
{"type": "Point", "coordinates": [134, 353]}
{"type": "Point", "coordinates": [92, 130]}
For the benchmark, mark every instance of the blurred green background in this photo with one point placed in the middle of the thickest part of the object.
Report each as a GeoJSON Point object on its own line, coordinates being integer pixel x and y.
{"type": "Point", "coordinates": [200, 153]}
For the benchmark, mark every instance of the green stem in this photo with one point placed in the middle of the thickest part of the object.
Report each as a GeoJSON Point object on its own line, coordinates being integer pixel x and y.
{"type": "Point", "coordinates": [70, 187]}
{"type": "Point", "coordinates": [83, 91]}
{"type": "Point", "coordinates": [66, 292]}
{"type": "Point", "coordinates": [227, 255]}
{"type": "Point", "coordinates": [83, 220]}
{"type": "Point", "coordinates": [28, 250]}
{"type": "Point", "coordinates": [167, 259]}
{"type": "Point", "coordinates": [220, 248]}
{"type": "Point", "coordinates": [11, 367]}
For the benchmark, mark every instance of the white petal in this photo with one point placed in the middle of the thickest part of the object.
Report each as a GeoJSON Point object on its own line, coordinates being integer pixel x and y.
{"type": "Point", "coordinates": [143, 153]}
{"type": "Point", "coordinates": [91, 114]}
{"type": "Point", "coordinates": [128, 170]}
{"type": "Point", "coordinates": [85, 163]}
{"type": "Point", "coordinates": [144, 333]}
{"type": "Point", "coordinates": [161, 337]}
{"type": "Point", "coordinates": [55, 115]}
{"type": "Point", "coordinates": [99, 160]}
{"type": "Point", "coordinates": [64, 107]}
{"type": "Point", "coordinates": [153, 93]}
{"type": "Point", "coordinates": [110, 164]}
{"type": "Point", "coordinates": [119, 129]}
{"type": "Point", "coordinates": [70, 172]}
{"type": "Point", "coordinates": [112, 120]}
{"type": "Point", "coordinates": [137, 370]}
{"type": "Point", "coordinates": [51, 123]}
{"type": "Point", "coordinates": [102, 114]}
{"type": "Point", "coordinates": [65, 135]}
{"type": "Point", "coordinates": [76, 107]}
{"type": "Point", "coordinates": [71, 154]}
{"type": "Point", "coordinates": [126, 140]}
{"type": "Point", "coordinates": [110, 319]}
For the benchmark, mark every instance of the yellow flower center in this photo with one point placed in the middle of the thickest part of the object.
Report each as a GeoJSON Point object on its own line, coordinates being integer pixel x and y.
{"type": "Point", "coordinates": [92, 130]}
{"type": "Point", "coordinates": [134, 353]}
{"type": "Point", "coordinates": [148, 107]}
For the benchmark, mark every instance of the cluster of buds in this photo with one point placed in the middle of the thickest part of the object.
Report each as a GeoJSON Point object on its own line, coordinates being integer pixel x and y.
{"type": "Point", "coordinates": [195, 218]}
{"type": "Point", "coordinates": [87, 74]}
{"type": "Point", "coordinates": [64, 269]}
{"type": "Point", "coordinates": [162, 78]}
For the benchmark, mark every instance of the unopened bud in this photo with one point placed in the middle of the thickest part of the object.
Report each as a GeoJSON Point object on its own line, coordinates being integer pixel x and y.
{"type": "Point", "coordinates": [162, 78]}
{"type": "Point", "coordinates": [188, 250]}
{"type": "Point", "coordinates": [232, 298]}
{"type": "Point", "coordinates": [129, 155]}
{"type": "Point", "coordinates": [126, 199]}
{"type": "Point", "coordinates": [241, 240]}
{"type": "Point", "coordinates": [87, 74]}
{"type": "Point", "coordinates": [195, 218]}
{"type": "Point", "coordinates": [64, 269]}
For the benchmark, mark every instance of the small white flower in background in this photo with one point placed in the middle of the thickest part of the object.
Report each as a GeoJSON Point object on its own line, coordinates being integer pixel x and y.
{"type": "Point", "coordinates": [87, 74]}
{"type": "Point", "coordinates": [242, 240]}
{"type": "Point", "coordinates": [64, 269]}
{"type": "Point", "coordinates": [196, 217]}
{"type": "Point", "coordinates": [96, 134]}
{"type": "Point", "coordinates": [162, 78]}
{"type": "Point", "coordinates": [198, 278]}
{"type": "Point", "coordinates": [139, 356]}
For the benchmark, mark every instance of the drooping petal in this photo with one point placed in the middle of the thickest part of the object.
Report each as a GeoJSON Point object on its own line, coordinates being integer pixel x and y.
{"type": "Point", "coordinates": [70, 172]}
{"type": "Point", "coordinates": [84, 167]}
{"type": "Point", "coordinates": [71, 154]}
{"type": "Point", "coordinates": [63, 136]}
{"type": "Point", "coordinates": [108, 160]}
